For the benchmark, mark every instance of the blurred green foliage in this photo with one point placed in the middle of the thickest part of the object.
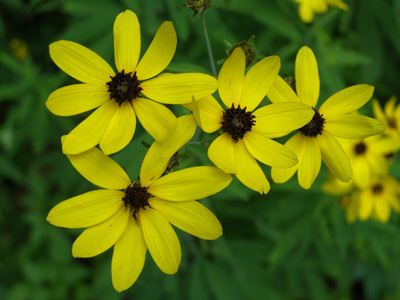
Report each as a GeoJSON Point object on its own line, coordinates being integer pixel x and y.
{"type": "Point", "coordinates": [289, 244]}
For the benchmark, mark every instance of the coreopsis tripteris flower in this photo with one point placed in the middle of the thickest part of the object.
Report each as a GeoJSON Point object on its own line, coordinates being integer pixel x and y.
{"type": "Point", "coordinates": [136, 216]}
{"type": "Point", "coordinates": [246, 132]}
{"type": "Point", "coordinates": [389, 116]}
{"type": "Point", "coordinates": [374, 201]}
{"type": "Point", "coordinates": [307, 8]}
{"type": "Point", "coordinates": [118, 96]}
{"type": "Point", "coordinates": [318, 138]}
{"type": "Point", "coordinates": [369, 157]}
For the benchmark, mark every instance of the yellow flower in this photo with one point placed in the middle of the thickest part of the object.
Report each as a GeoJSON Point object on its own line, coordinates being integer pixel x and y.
{"type": "Point", "coordinates": [307, 8]}
{"type": "Point", "coordinates": [376, 200]}
{"type": "Point", "coordinates": [119, 96]}
{"type": "Point", "coordinates": [368, 157]}
{"type": "Point", "coordinates": [390, 116]}
{"type": "Point", "coordinates": [317, 139]}
{"type": "Point", "coordinates": [246, 134]}
{"type": "Point", "coordinates": [136, 216]}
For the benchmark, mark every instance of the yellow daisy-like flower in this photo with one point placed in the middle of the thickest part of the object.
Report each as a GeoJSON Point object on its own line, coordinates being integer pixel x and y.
{"type": "Point", "coordinates": [376, 200]}
{"type": "Point", "coordinates": [390, 116]}
{"type": "Point", "coordinates": [136, 216]}
{"type": "Point", "coordinates": [119, 95]}
{"type": "Point", "coordinates": [318, 139]}
{"type": "Point", "coordinates": [368, 157]}
{"type": "Point", "coordinates": [247, 133]}
{"type": "Point", "coordinates": [307, 8]}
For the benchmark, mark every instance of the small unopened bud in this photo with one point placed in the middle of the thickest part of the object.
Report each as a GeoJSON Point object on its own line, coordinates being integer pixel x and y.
{"type": "Point", "coordinates": [248, 50]}
{"type": "Point", "coordinates": [198, 6]}
{"type": "Point", "coordinates": [292, 82]}
{"type": "Point", "coordinates": [173, 162]}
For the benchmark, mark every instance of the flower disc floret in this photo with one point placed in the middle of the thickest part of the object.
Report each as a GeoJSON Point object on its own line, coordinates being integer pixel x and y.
{"type": "Point", "coordinates": [360, 148]}
{"type": "Point", "coordinates": [314, 127]}
{"type": "Point", "coordinates": [237, 122]}
{"type": "Point", "coordinates": [124, 87]}
{"type": "Point", "coordinates": [136, 197]}
{"type": "Point", "coordinates": [377, 188]}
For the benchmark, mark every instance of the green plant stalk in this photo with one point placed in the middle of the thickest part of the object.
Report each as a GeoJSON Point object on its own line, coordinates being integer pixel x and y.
{"type": "Point", "coordinates": [214, 71]}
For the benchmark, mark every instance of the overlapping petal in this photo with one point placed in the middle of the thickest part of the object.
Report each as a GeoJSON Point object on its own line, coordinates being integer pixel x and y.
{"type": "Point", "coordinates": [161, 240]}
{"type": "Point", "coordinates": [156, 119]}
{"type": "Point", "coordinates": [347, 100]}
{"type": "Point", "coordinates": [190, 184]}
{"type": "Point", "coordinates": [279, 119]}
{"type": "Point", "coordinates": [281, 91]}
{"type": "Point", "coordinates": [160, 52]}
{"type": "Point", "coordinates": [101, 237]}
{"type": "Point", "coordinates": [353, 126]}
{"type": "Point", "coordinates": [128, 256]}
{"type": "Point", "coordinates": [310, 163]}
{"type": "Point", "coordinates": [208, 113]}
{"type": "Point", "coordinates": [179, 88]}
{"type": "Point", "coordinates": [126, 41]}
{"type": "Point", "coordinates": [77, 98]}
{"type": "Point", "coordinates": [366, 205]}
{"type": "Point", "coordinates": [100, 169]}
{"type": "Point", "coordinates": [159, 154]}
{"type": "Point", "coordinates": [269, 152]}
{"type": "Point", "coordinates": [89, 132]}
{"type": "Point", "coordinates": [189, 216]}
{"type": "Point", "coordinates": [258, 81]}
{"type": "Point", "coordinates": [80, 62]}
{"type": "Point", "coordinates": [307, 77]}
{"type": "Point", "coordinates": [230, 78]}
{"type": "Point", "coordinates": [120, 131]}
{"type": "Point", "coordinates": [86, 210]}
{"type": "Point", "coordinates": [221, 153]}
{"type": "Point", "coordinates": [249, 171]}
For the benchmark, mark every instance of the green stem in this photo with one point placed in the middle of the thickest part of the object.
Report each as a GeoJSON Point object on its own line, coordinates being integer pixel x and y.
{"type": "Point", "coordinates": [214, 71]}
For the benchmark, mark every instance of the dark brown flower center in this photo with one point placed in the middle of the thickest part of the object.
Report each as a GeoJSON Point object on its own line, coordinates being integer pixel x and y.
{"type": "Point", "coordinates": [377, 188]}
{"type": "Point", "coordinates": [314, 127]}
{"type": "Point", "coordinates": [360, 148]}
{"type": "Point", "coordinates": [392, 123]}
{"type": "Point", "coordinates": [124, 87]}
{"type": "Point", "coordinates": [136, 197]}
{"type": "Point", "coordinates": [236, 122]}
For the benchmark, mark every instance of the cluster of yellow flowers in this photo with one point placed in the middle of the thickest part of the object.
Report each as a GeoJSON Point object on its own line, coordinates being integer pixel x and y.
{"type": "Point", "coordinates": [372, 192]}
{"type": "Point", "coordinates": [134, 216]}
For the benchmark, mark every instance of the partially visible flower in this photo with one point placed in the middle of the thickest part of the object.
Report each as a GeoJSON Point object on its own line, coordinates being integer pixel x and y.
{"type": "Point", "coordinates": [136, 216]}
{"type": "Point", "coordinates": [318, 138]}
{"type": "Point", "coordinates": [368, 157]}
{"type": "Point", "coordinates": [375, 201]}
{"type": "Point", "coordinates": [19, 48]}
{"type": "Point", "coordinates": [390, 116]}
{"type": "Point", "coordinates": [307, 8]}
{"type": "Point", "coordinates": [119, 95]}
{"type": "Point", "coordinates": [247, 133]}
{"type": "Point", "coordinates": [198, 6]}
{"type": "Point", "coordinates": [248, 49]}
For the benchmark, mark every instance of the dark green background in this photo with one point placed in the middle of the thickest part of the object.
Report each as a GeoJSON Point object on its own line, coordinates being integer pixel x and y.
{"type": "Point", "coordinates": [289, 244]}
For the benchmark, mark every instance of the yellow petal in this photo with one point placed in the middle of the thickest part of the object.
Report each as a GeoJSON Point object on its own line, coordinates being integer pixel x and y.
{"type": "Point", "coordinates": [160, 52]}
{"type": "Point", "coordinates": [89, 132]}
{"type": "Point", "coordinates": [347, 100]}
{"type": "Point", "coordinates": [297, 144]}
{"type": "Point", "coordinates": [190, 184]}
{"type": "Point", "coordinates": [77, 98]}
{"type": "Point", "coordinates": [221, 153]}
{"type": "Point", "coordinates": [189, 216]}
{"type": "Point", "coordinates": [310, 163]}
{"type": "Point", "coordinates": [366, 205]}
{"type": "Point", "coordinates": [230, 78]}
{"type": "Point", "coordinates": [279, 119]}
{"type": "Point", "coordinates": [120, 130]}
{"type": "Point", "coordinates": [80, 62]}
{"type": "Point", "coordinates": [126, 41]}
{"type": "Point", "coordinates": [382, 211]}
{"type": "Point", "coordinates": [378, 112]}
{"type": "Point", "coordinates": [361, 173]}
{"type": "Point", "coordinates": [157, 157]}
{"type": "Point", "coordinates": [281, 91]}
{"type": "Point", "coordinates": [387, 145]}
{"type": "Point", "coordinates": [128, 256]}
{"type": "Point", "coordinates": [307, 77]}
{"type": "Point", "coordinates": [86, 210]}
{"type": "Point", "coordinates": [389, 106]}
{"type": "Point", "coordinates": [249, 171]}
{"type": "Point", "coordinates": [179, 88]}
{"type": "Point", "coordinates": [306, 13]}
{"type": "Point", "coordinates": [353, 126]}
{"type": "Point", "coordinates": [155, 118]}
{"type": "Point", "coordinates": [258, 81]}
{"type": "Point", "coordinates": [208, 114]}
{"type": "Point", "coordinates": [161, 240]}
{"type": "Point", "coordinates": [100, 169]}
{"type": "Point", "coordinates": [101, 237]}
{"type": "Point", "coordinates": [334, 157]}
{"type": "Point", "coordinates": [269, 152]}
